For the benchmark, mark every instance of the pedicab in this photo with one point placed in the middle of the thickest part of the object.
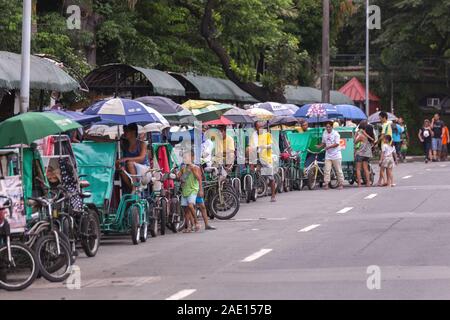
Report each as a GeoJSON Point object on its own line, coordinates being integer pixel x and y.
{"type": "Point", "coordinates": [24, 175]}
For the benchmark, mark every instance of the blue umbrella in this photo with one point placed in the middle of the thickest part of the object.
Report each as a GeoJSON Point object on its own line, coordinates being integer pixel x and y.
{"type": "Point", "coordinates": [351, 112]}
{"type": "Point", "coordinates": [77, 116]}
{"type": "Point", "coordinates": [318, 112]}
{"type": "Point", "coordinates": [122, 112]}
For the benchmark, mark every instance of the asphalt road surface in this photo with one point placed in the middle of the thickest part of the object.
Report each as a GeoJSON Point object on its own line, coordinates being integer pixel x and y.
{"type": "Point", "coordinates": [367, 243]}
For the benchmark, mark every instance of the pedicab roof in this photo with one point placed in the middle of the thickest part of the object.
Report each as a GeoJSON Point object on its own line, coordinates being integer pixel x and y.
{"type": "Point", "coordinates": [44, 75]}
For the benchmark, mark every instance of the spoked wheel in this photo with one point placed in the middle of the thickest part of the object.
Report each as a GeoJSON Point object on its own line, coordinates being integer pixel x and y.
{"type": "Point", "coordinates": [334, 182]}
{"type": "Point", "coordinates": [53, 265]}
{"type": "Point", "coordinates": [144, 232]}
{"type": "Point", "coordinates": [278, 182]}
{"type": "Point", "coordinates": [261, 186]}
{"type": "Point", "coordinates": [163, 216]}
{"type": "Point", "coordinates": [312, 179]}
{"type": "Point", "coordinates": [176, 223]}
{"type": "Point", "coordinates": [90, 229]}
{"type": "Point", "coordinates": [153, 221]}
{"type": "Point", "coordinates": [248, 192]}
{"type": "Point", "coordinates": [226, 209]}
{"type": "Point", "coordinates": [21, 271]}
{"type": "Point", "coordinates": [135, 225]}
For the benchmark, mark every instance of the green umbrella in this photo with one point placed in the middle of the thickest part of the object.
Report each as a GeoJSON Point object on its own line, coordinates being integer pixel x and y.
{"type": "Point", "coordinates": [31, 126]}
{"type": "Point", "coordinates": [211, 112]}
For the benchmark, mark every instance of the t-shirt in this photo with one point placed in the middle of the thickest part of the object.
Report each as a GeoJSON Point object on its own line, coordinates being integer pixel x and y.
{"type": "Point", "coordinates": [220, 156]}
{"type": "Point", "coordinates": [426, 134]}
{"type": "Point", "coordinates": [387, 128]}
{"type": "Point", "coordinates": [330, 139]}
{"type": "Point", "coordinates": [397, 136]}
{"type": "Point", "coordinates": [437, 129]}
{"type": "Point", "coordinates": [207, 150]}
{"type": "Point", "coordinates": [265, 155]}
{"type": "Point", "coordinates": [445, 135]}
{"type": "Point", "coordinates": [388, 151]}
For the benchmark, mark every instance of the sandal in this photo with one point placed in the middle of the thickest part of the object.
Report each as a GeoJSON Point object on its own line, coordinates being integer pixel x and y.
{"type": "Point", "coordinates": [187, 231]}
{"type": "Point", "coordinates": [197, 227]}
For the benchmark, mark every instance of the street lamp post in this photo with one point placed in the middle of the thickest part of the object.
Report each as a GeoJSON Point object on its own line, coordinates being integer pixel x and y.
{"type": "Point", "coordinates": [25, 68]}
{"type": "Point", "coordinates": [367, 59]}
{"type": "Point", "coordinates": [325, 83]}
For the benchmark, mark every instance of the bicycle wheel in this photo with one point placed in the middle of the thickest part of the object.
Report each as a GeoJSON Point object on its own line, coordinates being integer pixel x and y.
{"type": "Point", "coordinates": [278, 182]}
{"type": "Point", "coordinates": [261, 186]}
{"type": "Point", "coordinates": [153, 221]}
{"type": "Point", "coordinates": [19, 273]}
{"type": "Point", "coordinates": [334, 183]}
{"type": "Point", "coordinates": [54, 266]}
{"type": "Point", "coordinates": [287, 181]}
{"type": "Point", "coordinates": [163, 216]}
{"type": "Point", "coordinates": [90, 233]}
{"type": "Point", "coordinates": [312, 178]}
{"type": "Point", "coordinates": [226, 209]}
{"type": "Point", "coordinates": [135, 225]}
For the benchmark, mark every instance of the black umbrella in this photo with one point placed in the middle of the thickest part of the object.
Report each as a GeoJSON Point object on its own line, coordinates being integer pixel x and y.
{"type": "Point", "coordinates": [171, 110]}
{"type": "Point", "coordinates": [239, 116]}
{"type": "Point", "coordinates": [282, 120]}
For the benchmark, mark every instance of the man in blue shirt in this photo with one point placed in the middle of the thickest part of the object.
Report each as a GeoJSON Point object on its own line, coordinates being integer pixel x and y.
{"type": "Point", "coordinates": [397, 131]}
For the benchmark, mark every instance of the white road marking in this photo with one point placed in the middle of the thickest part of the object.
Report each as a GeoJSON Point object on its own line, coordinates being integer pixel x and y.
{"type": "Point", "coordinates": [309, 228]}
{"type": "Point", "coordinates": [407, 177]}
{"type": "Point", "coordinates": [256, 255]}
{"type": "Point", "coordinates": [428, 169]}
{"type": "Point", "coordinates": [371, 196]}
{"type": "Point", "coordinates": [345, 210]}
{"type": "Point", "coordinates": [255, 229]}
{"type": "Point", "coordinates": [443, 165]}
{"type": "Point", "coordinates": [181, 294]}
{"type": "Point", "coordinates": [256, 219]}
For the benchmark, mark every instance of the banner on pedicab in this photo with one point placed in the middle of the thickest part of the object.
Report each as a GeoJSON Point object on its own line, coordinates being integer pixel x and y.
{"type": "Point", "coordinates": [12, 188]}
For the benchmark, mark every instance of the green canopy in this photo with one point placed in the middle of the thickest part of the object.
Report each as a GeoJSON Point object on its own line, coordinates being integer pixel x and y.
{"type": "Point", "coordinates": [44, 75]}
{"type": "Point", "coordinates": [29, 127]}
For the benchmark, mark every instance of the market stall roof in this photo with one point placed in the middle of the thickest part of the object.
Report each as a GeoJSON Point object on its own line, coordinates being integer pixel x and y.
{"type": "Point", "coordinates": [356, 91]}
{"type": "Point", "coordinates": [302, 95]}
{"type": "Point", "coordinates": [305, 95]}
{"type": "Point", "coordinates": [44, 75]}
{"type": "Point", "coordinates": [112, 77]}
{"type": "Point", "coordinates": [210, 88]}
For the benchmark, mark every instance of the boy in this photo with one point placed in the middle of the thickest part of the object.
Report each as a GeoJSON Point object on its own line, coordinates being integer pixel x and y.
{"type": "Point", "coordinates": [387, 162]}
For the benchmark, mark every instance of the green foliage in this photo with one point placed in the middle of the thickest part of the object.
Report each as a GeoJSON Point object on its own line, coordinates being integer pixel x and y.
{"type": "Point", "coordinates": [10, 25]}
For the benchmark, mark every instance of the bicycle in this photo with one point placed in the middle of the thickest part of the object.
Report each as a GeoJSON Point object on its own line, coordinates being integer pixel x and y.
{"type": "Point", "coordinates": [315, 173]}
{"type": "Point", "coordinates": [18, 267]}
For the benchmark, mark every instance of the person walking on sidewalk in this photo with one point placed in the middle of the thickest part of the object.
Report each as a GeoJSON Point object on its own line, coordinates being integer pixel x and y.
{"type": "Point", "coordinates": [445, 141]}
{"type": "Point", "coordinates": [436, 141]}
{"type": "Point", "coordinates": [333, 156]}
{"type": "Point", "coordinates": [425, 136]}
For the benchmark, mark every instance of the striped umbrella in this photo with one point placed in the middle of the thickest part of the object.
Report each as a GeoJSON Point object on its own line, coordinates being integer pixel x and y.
{"type": "Point", "coordinates": [124, 112]}
{"type": "Point", "coordinates": [207, 112]}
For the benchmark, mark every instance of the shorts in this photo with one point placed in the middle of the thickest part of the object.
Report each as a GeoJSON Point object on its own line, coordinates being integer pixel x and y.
{"type": "Point", "coordinates": [388, 163]}
{"type": "Point", "coordinates": [186, 201]}
{"type": "Point", "coordinates": [361, 159]}
{"type": "Point", "coordinates": [199, 200]}
{"type": "Point", "coordinates": [436, 144]}
{"type": "Point", "coordinates": [268, 172]}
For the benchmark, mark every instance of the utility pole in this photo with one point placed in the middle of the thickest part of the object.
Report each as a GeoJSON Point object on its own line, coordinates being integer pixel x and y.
{"type": "Point", "coordinates": [367, 59]}
{"type": "Point", "coordinates": [25, 68]}
{"type": "Point", "coordinates": [326, 52]}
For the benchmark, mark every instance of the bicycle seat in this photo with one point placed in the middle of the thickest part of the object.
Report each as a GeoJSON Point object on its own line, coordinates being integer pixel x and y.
{"type": "Point", "coordinates": [85, 195]}
{"type": "Point", "coordinates": [84, 184]}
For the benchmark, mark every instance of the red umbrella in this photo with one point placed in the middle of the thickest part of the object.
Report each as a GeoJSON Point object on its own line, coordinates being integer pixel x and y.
{"type": "Point", "coordinates": [219, 122]}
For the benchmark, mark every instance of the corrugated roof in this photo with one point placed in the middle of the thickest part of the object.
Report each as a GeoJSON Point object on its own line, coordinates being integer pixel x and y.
{"type": "Point", "coordinates": [163, 83]}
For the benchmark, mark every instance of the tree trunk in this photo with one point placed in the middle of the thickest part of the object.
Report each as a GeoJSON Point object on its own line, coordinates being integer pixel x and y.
{"type": "Point", "coordinates": [207, 31]}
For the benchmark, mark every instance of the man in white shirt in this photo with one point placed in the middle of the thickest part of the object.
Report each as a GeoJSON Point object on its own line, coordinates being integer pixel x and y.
{"type": "Point", "coordinates": [333, 157]}
{"type": "Point", "coordinates": [207, 149]}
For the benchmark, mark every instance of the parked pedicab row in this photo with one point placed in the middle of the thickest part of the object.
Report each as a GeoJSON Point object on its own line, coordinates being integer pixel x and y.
{"type": "Point", "coordinates": [59, 196]}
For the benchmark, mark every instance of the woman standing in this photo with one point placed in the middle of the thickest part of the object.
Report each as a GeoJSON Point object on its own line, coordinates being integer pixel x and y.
{"type": "Point", "coordinates": [425, 136]}
{"type": "Point", "coordinates": [363, 145]}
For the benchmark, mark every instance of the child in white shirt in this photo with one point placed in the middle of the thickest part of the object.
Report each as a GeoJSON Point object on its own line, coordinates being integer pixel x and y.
{"type": "Point", "coordinates": [387, 162]}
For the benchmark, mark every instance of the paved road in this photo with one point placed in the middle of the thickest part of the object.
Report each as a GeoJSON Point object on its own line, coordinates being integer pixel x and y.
{"type": "Point", "coordinates": [308, 245]}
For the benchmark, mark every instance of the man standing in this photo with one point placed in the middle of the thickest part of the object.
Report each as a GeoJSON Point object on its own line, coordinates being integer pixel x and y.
{"type": "Point", "coordinates": [333, 157]}
{"type": "Point", "coordinates": [265, 156]}
{"type": "Point", "coordinates": [436, 141]}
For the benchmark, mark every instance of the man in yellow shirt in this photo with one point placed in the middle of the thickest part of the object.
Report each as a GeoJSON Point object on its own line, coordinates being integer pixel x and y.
{"type": "Point", "coordinates": [386, 127]}
{"type": "Point", "coordinates": [225, 149]}
{"type": "Point", "coordinates": [265, 156]}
